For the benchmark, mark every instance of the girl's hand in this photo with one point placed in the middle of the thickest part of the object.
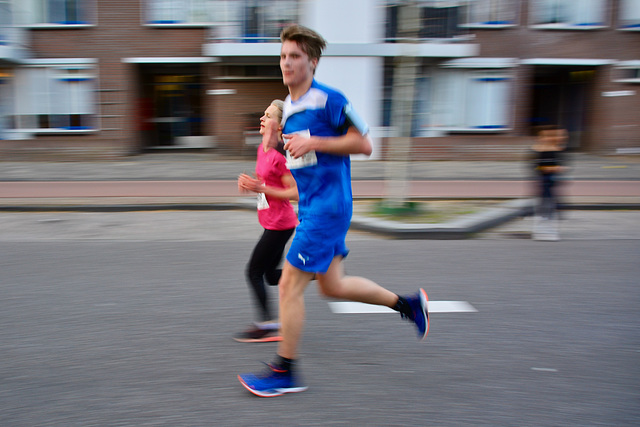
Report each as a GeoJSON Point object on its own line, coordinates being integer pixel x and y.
{"type": "Point", "coordinates": [248, 184]}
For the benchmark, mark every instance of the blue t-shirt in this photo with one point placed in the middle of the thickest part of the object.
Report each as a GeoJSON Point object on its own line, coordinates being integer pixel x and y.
{"type": "Point", "coordinates": [325, 188]}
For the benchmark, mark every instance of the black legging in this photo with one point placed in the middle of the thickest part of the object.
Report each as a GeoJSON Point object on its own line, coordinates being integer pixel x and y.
{"type": "Point", "coordinates": [548, 199]}
{"type": "Point", "coordinates": [264, 263]}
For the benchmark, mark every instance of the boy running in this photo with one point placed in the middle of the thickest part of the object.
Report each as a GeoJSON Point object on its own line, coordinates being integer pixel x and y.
{"type": "Point", "coordinates": [320, 130]}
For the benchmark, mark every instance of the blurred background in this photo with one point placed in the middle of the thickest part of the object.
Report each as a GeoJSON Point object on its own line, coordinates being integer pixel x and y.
{"type": "Point", "coordinates": [441, 79]}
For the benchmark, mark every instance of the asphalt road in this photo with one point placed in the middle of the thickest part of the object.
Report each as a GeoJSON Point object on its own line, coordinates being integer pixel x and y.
{"type": "Point", "coordinates": [124, 319]}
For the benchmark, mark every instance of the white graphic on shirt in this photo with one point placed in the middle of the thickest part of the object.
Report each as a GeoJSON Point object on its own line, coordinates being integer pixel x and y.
{"type": "Point", "coordinates": [314, 99]}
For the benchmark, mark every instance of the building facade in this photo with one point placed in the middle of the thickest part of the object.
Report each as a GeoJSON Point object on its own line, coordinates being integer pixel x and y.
{"type": "Point", "coordinates": [457, 79]}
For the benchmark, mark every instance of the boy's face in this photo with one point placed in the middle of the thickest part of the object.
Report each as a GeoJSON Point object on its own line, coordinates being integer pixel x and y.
{"type": "Point", "coordinates": [297, 68]}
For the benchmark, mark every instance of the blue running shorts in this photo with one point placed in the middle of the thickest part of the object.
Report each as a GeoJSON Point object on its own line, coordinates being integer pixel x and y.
{"type": "Point", "coordinates": [317, 241]}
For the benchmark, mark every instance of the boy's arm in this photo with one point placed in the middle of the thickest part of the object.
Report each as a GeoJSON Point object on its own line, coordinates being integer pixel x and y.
{"type": "Point", "coordinates": [351, 142]}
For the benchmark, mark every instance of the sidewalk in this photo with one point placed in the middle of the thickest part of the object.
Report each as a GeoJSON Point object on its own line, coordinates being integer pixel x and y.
{"type": "Point", "coordinates": [194, 166]}
{"type": "Point", "coordinates": [202, 181]}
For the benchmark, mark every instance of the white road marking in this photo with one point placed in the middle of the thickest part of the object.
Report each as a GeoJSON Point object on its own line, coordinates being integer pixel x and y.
{"type": "Point", "coordinates": [544, 369]}
{"type": "Point", "coordinates": [348, 307]}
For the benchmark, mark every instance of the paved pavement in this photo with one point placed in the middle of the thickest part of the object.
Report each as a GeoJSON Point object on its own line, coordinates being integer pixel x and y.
{"type": "Point", "coordinates": [204, 181]}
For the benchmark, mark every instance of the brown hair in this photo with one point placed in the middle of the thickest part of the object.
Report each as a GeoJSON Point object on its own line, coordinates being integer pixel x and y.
{"type": "Point", "coordinates": [309, 41]}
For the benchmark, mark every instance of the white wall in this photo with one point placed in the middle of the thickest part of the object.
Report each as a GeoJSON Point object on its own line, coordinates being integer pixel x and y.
{"type": "Point", "coordinates": [345, 21]}
{"type": "Point", "coordinates": [359, 78]}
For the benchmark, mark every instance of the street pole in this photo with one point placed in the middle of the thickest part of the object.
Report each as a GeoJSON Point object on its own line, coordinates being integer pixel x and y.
{"type": "Point", "coordinates": [403, 95]}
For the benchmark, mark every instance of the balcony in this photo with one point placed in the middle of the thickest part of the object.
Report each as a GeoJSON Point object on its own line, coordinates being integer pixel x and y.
{"type": "Point", "coordinates": [13, 39]}
{"type": "Point", "coordinates": [13, 46]}
{"type": "Point", "coordinates": [439, 34]}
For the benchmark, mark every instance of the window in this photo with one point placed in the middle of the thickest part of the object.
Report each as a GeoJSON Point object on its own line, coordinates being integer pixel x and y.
{"type": "Point", "coordinates": [5, 21]}
{"type": "Point", "coordinates": [426, 19]}
{"type": "Point", "coordinates": [563, 14]}
{"type": "Point", "coordinates": [57, 12]}
{"type": "Point", "coordinates": [627, 72]}
{"type": "Point", "coordinates": [171, 12]}
{"type": "Point", "coordinates": [6, 100]}
{"type": "Point", "coordinates": [630, 14]}
{"type": "Point", "coordinates": [471, 100]}
{"type": "Point", "coordinates": [253, 20]}
{"type": "Point", "coordinates": [491, 13]}
{"type": "Point", "coordinates": [249, 72]}
{"type": "Point", "coordinates": [55, 98]}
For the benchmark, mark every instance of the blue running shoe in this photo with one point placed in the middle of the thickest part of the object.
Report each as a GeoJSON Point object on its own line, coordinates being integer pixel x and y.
{"type": "Point", "coordinates": [419, 304]}
{"type": "Point", "coordinates": [274, 382]}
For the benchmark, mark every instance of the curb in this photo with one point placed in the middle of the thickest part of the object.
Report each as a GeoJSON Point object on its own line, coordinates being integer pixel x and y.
{"type": "Point", "coordinates": [462, 228]}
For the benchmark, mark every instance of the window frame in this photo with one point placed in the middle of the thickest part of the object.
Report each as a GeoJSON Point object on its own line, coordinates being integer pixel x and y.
{"type": "Point", "coordinates": [33, 9]}
{"type": "Point", "coordinates": [146, 13]}
{"type": "Point", "coordinates": [55, 72]}
{"type": "Point", "coordinates": [516, 5]}
{"type": "Point", "coordinates": [567, 25]}
{"type": "Point", "coordinates": [623, 6]}
{"type": "Point", "coordinates": [622, 66]}
{"type": "Point", "coordinates": [426, 11]}
{"type": "Point", "coordinates": [462, 79]}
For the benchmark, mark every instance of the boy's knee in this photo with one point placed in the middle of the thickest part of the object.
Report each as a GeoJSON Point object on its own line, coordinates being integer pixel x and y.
{"type": "Point", "coordinates": [332, 290]}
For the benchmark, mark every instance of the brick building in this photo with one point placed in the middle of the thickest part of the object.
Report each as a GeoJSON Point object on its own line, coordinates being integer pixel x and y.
{"type": "Point", "coordinates": [462, 79]}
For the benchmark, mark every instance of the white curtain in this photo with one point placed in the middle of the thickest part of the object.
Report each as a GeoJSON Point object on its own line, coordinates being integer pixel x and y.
{"type": "Point", "coordinates": [180, 11]}
{"type": "Point", "coordinates": [167, 10]}
{"type": "Point", "coordinates": [570, 12]}
{"type": "Point", "coordinates": [586, 12]}
{"type": "Point", "coordinates": [492, 11]}
{"type": "Point", "coordinates": [53, 92]}
{"type": "Point", "coordinates": [487, 102]}
{"type": "Point", "coordinates": [468, 99]}
{"type": "Point", "coordinates": [630, 12]}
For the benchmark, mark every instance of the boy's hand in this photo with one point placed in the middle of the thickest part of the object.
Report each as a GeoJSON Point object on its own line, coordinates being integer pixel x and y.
{"type": "Point", "coordinates": [297, 145]}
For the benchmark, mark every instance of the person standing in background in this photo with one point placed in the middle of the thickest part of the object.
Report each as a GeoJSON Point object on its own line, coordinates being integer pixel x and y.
{"type": "Point", "coordinates": [548, 164]}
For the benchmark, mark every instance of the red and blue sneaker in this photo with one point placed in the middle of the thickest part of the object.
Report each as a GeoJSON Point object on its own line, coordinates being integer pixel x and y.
{"type": "Point", "coordinates": [419, 315]}
{"type": "Point", "coordinates": [273, 382]}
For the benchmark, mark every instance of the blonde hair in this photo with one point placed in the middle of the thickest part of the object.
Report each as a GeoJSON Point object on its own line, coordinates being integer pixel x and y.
{"type": "Point", "coordinates": [309, 41]}
{"type": "Point", "coordinates": [279, 104]}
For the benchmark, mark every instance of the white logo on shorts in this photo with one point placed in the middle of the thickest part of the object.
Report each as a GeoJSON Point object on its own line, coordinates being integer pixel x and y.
{"type": "Point", "coordinates": [303, 259]}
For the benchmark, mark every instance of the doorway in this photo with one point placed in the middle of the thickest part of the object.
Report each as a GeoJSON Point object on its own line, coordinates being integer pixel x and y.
{"type": "Point", "coordinates": [171, 107]}
{"type": "Point", "coordinates": [561, 96]}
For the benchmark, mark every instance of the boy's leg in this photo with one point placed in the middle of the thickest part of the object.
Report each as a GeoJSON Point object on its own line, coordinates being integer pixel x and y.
{"type": "Point", "coordinates": [292, 311]}
{"type": "Point", "coordinates": [281, 376]}
{"type": "Point", "coordinates": [335, 284]}
{"type": "Point", "coordinates": [412, 307]}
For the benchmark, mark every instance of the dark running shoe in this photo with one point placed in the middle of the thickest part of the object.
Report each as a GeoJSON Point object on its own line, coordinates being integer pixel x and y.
{"type": "Point", "coordinates": [258, 334]}
{"type": "Point", "coordinates": [419, 312]}
{"type": "Point", "coordinates": [273, 382]}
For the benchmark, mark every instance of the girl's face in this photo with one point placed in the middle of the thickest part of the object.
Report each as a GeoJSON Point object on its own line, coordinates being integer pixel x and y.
{"type": "Point", "coordinates": [270, 120]}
